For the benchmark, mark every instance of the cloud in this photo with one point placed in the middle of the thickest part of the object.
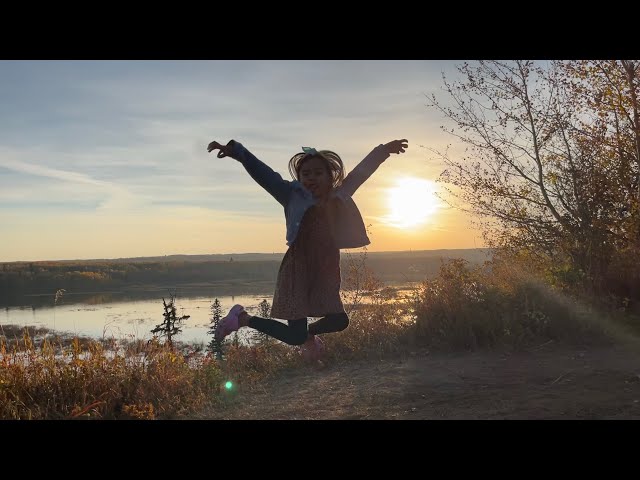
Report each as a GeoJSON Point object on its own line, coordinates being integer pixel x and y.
{"type": "Point", "coordinates": [117, 197]}
{"type": "Point", "coordinates": [42, 171]}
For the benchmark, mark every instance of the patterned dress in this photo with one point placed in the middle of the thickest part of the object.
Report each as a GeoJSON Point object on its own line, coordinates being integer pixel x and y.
{"type": "Point", "coordinates": [308, 282]}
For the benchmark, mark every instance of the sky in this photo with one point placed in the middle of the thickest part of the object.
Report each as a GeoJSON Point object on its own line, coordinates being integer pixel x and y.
{"type": "Point", "coordinates": [108, 159]}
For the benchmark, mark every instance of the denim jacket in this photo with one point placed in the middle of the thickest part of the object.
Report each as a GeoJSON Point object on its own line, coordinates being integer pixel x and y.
{"type": "Point", "coordinates": [345, 220]}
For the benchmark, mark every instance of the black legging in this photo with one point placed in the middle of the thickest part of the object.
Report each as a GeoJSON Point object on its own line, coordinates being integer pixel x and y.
{"type": "Point", "coordinates": [296, 332]}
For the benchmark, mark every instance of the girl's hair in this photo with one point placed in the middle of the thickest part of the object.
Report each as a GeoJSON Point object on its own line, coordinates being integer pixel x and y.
{"type": "Point", "coordinates": [332, 161]}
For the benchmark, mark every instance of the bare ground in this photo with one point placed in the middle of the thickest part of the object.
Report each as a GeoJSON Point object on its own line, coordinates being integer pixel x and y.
{"type": "Point", "coordinates": [548, 382]}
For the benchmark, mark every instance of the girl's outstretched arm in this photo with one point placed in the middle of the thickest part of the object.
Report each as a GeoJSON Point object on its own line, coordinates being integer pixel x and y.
{"type": "Point", "coordinates": [370, 164]}
{"type": "Point", "coordinates": [264, 175]}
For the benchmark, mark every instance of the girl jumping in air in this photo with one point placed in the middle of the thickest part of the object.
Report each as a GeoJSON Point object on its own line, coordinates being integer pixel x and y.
{"type": "Point", "coordinates": [321, 218]}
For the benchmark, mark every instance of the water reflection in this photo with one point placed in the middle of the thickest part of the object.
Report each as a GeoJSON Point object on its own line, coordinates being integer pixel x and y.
{"type": "Point", "coordinates": [109, 315]}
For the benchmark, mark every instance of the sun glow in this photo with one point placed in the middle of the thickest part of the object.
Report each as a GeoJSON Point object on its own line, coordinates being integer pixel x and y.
{"type": "Point", "coordinates": [411, 202]}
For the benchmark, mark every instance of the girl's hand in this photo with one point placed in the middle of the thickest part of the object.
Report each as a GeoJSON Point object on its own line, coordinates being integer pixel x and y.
{"type": "Point", "coordinates": [225, 150]}
{"type": "Point", "coordinates": [397, 146]}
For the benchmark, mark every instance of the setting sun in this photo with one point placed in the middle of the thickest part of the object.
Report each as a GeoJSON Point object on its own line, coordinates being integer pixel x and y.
{"type": "Point", "coordinates": [411, 202]}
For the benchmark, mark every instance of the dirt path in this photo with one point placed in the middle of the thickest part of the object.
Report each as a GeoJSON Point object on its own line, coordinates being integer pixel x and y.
{"type": "Point", "coordinates": [551, 382]}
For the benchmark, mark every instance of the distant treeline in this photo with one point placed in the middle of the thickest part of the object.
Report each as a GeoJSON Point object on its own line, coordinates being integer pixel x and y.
{"type": "Point", "coordinates": [28, 278]}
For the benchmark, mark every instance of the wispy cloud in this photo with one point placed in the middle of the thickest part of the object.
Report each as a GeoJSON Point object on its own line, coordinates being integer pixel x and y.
{"type": "Point", "coordinates": [117, 197]}
{"type": "Point", "coordinates": [43, 171]}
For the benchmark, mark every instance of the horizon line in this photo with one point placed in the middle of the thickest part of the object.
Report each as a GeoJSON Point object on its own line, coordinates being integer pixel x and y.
{"type": "Point", "coordinates": [218, 254]}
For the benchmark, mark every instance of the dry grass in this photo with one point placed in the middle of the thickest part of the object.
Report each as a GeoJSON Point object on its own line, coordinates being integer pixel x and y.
{"type": "Point", "coordinates": [499, 304]}
{"type": "Point", "coordinates": [49, 381]}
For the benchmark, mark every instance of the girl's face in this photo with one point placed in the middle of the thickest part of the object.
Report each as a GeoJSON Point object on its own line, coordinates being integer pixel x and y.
{"type": "Point", "coordinates": [315, 177]}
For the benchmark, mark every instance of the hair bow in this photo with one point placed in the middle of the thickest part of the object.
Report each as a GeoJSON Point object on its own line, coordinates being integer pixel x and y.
{"type": "Point", "coordinates": [310, 150]}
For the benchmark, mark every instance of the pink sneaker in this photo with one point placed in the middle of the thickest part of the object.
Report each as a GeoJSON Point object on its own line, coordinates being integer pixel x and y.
{"type": "Point", "coordinates": [230, 323]}
{"type": "Point", "coordinates": [312, 349]}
